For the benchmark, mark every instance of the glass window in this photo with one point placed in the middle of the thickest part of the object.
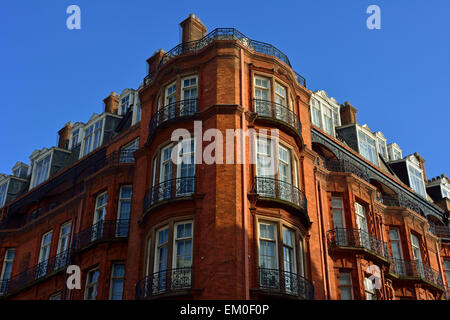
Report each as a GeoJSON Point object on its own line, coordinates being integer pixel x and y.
{"type": "Point", "coordinates": [7, 265]}
{"type": "Point", "coordinates": [93, 136]}
{"type": "Point", "coordinates": [381, 146]}
{"type": "Point", "coordinates": [126, 152]}
{"type": "Point", "coordinates": [41, 269]}
{"type": "Point", "coordinates": [447, 272]}
{"type": "Point", "coordinates": [394, 236]}
{"type": "Point", "coordinates": [3, 191]}
{"type": "Point", "coordinates": [99, 216]}
{"type": "Point", "coordinates": [171, 93]}
{"type": "Point", "coordinates": [75, 137]}
{"type": "Point", "coordinates": [124, 104]}
{"type": "Point", "coordinates": [327, 120]}
{"type": "Point", "coordinates": [183, 245]}
{"type": "Point", "coordinates": [123, 215]}
{"type": "Point", "coordinates": [262, 89]}
{"type": "Point", "coordinates": [345, 285]}
{"type": "Point", "coordinates": [62, 254]}
{"type": "Point", "coordinates": [397, 154]}
{"type": "Point", "coordinates": [186, 167]}
{"type": "Point", "coordinates": [117, 280]}
{"type": "Point", "coordinates": [338, 212]}
{"type": "Point", "coordinates": [267, 246]}
{"type": "Point", "coordinates": [316, 115]}
{"type": "Point", "coordinates": [416, 179]}
{"type": "Point", "coordinates": [264, 158]}
{"type": "Point", "coordinates": [280, 94]}
{"type": "Point", "coordinates": [56, 296]}
{"type": "Point", "coordinates": [91, 285]}
{"type": "Point", "coordinates": [41, 171]}
{"type": "Point", "coordinates": [189, 88]}
{"type": "Point", "coordinates": [369, 288]}
{"type": "Point", "coordinates": [367, 147]}
{"type": "Point", "coordinates": [336, 117]}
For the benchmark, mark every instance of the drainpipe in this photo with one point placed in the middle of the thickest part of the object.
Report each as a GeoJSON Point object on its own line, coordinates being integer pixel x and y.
{"type": "Point", "coordinates": [323, 243]}
{"type": "Point", "coordinates": [244, 177]}
{"type": "Point", "coordinates": [441, 271]}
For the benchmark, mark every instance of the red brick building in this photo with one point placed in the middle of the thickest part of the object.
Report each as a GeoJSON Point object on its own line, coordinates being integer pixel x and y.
{"type": "Point", "coordinates": [345, 216]}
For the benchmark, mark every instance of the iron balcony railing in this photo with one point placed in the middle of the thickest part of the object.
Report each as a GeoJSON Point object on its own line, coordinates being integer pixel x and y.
{"type": "Point", "coordinates": [39, 271]}
{"type": "Point", "coordinates": [223, 34]}
{"type": "Point", "coordinates": [163, 282]}
{"type": "Point", "coordinates": [440, 231]}
{"type": "Point", "coordinates": [278, 189]}
{"type": "Point", "coordinates": [396, 201]}
{"type": "Point", "coordinates": [280, 281]}
{"type": "Point", "coordinates": [175, 110]}
{"type": "Point", "coordinates": [416, 269]}
{"type": "Point", "coordinates": [167, 190]}
{"type": "Point", "coordinates": [356, 238]}
{"type": "Point", "coordinates": [103, 230]}
{"type": "Point", "coordinates": [346, 166]}
{"type": "Point", "coordinates": [277, 111]}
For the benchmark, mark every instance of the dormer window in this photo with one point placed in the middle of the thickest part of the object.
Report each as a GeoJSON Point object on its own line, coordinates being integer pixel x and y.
{"type": "Point", "coordinates": [75, 140]}
{"type": "Point", "coordinates": [41, 170]}
{"type": "Point", "coordinates": [93, 137]}
{"type": "Point", "coordinates": [124, 103]}
{"type": "Point", "coordinates": [445, 193]}
{"type": "Point", "coordinates": [3, 191]}
{"type": "Point", "coordinates": [416, 179]}
{"type": "Point", "coordinates": [395, 153]}
{"type": "Point", "coordinates": [381, 147]}
{"type": "Point", "coordinates": [367, 147]}
{"type": "Point", "coordinates": [324, 116]}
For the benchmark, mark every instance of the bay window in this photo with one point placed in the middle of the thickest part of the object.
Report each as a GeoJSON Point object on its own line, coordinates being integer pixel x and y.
{"type": "Point", "coordinates": [397, 252]}
{"type": "Point", "coordinates": [44, 254]}
{"type": "Point", "coordinates": [345, 285]}
{"type": "Point", "coordinates": [189, 95]}
{"type": "Point", "coordinates": [126, 152]}
{"type": "Point", "coordinates": [117, 281]}
{"type": "Point", "coordinates": [381, 147]}
{"type": "Point", "coordinates": [99, 216]}
{"type": "Point", "coordinates": [367, 147]}
{"type": "Point", "coordinates": [91, 291]}
{"type": "Point", "coordinates": [123, 216]}
{"type": "Point", "coordinates": [63, 245]}
{"type": "Point", "coordinates": [6, 270]}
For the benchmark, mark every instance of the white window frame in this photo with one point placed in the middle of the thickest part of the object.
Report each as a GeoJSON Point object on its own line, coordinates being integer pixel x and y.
{"type": "Point", "coordinates": [275, 228]}
{"type": "Point", "coordinates": [35, 162]}
{"type": "Point", "coordinates": [367, 136]}
{"type": "Point", "coordinates": [83, 142]}
{"type": "Point", "coordinates": [129, 147]}
{"type": "Point", "coordinates": [157, 258]}
{"type": "Point", "coordinates": [121, 223]}
{"type": "Point", "coordinates": [257, 87]}
{"type": "Point", "coordinates": [7, 261]}
{"type": "Point", "coordinates": [397, 240]}
{"type": "Point", "coordinates": [410, 167]}
{"type": "Point", "coordinates": [349, 286]}
{"type": "Point", "coordinates": [180, 158]}
{"type": "Point", "coordinates": [335, 208]}
{"type": "Point", "coordinates": [5, 194]}
{"type": "Point", "coordinates": [175, 239]}
{"type": "Point", "coordinates": [45, 246]}
{"type": "Point", "coordinates": [113, 278]}
{"type": "Point", "coordinates": [284, 99]}
{"type": "Point", "coordinates": [190, 86]}
{"type": "Point", "coordinates": [168, 96]}
{"type": "Point", "coordinates": [381, 143]}
{"type": "Point", "coordinates": [62, 237]}
{"type": "Point", "coordinates": [91, 284]}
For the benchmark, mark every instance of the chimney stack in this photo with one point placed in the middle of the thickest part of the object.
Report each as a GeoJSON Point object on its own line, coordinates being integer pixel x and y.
{"type": "Point", "coordinates": [348, 113]}
{"type": "Point", "coordinates": [154, 60]}
{"type": "Point", "coordinates": [193, 29]}
{"type": "Point", "coordinates": [112, 103]}
{"type": "Point", "coordinates": [64, 136]}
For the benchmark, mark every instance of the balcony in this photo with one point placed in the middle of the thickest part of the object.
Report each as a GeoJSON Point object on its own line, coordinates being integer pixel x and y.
{"type": "Point", "coordinates": [416, 270]}
{"type": "Point", "coordinates": [172, 281]}
{"type": "Point", "coordinates": [278, 113]}
{"type": "Point", "coordinates": [346, 166]}
{"type": "Point", "coordinates": [357, 239]}
{"type": "Point", "coordinates": [193, 47]}
{"type": "Point", "coordinates": [172, 112]}
{"type": "Point", "coordinates": [169, 190]}
{"type": "Point", "coordinates": [440, 231]}
{"type": "Point", "coordinates": [104, 230]}
{"type": "Point", "coordinates": [395, 201]}
{"type": "Point", "coordinates": [36, 273]}
{"type": "Point", "coordinates": [279, 282]}
{"type": "Point", "coordinates": [285, 192]}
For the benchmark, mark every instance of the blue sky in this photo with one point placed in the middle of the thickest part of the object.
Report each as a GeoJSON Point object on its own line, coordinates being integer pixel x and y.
{"type": "Point", "coordinates": [396, 77]}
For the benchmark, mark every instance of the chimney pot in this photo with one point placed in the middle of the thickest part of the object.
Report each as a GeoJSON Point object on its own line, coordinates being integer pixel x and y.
{"type": "Point", "coordinates": [348, 113]}
{"type": "Point", "coordinates": [193, 29]}
{"type": "Point", "coordinates": [112, 103]}
{"type": "Point", "coordinates": [64, 136]}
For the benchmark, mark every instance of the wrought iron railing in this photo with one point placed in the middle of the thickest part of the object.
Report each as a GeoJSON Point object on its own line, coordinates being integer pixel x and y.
{"type": "Point", "coordinates": [277, 111]}
{"type": "Point", "coordinates": [223, 34]}
{"type": "Point", "coordinates": [39, 271]}
{"type": "Point", "coordinates": [167, 190]}
{"type": "Point", "coordinates": [278, 189]}
{"type": "Point", "coordinates": [416, 269]}
{"type": "Point", "coordinates": [280, 281]}
{"type": "Point", "coordinates": [440, 231]}
{"type": "Point", "coordinates": [175, 110]}
{"type": "Point", "coordinates": [356, 238]}
{"type": "Point", "coordinates": [346, 166]}
{"type": "Point", "coordinates": [396, 201]}
{"type": "Point", "coordinates": [164, 282]}
{"type": "Point", "coordinates": [103, 230]}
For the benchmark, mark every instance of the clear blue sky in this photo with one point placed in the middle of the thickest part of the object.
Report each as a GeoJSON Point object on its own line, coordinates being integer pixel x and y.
{"type": "Point", "coordinates": [397, 77]}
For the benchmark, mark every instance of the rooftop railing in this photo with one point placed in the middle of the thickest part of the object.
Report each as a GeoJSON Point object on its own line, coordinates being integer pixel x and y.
{"type": "Point", "coordinates": [356, 238]}
{"type": "Point", "coordinates": [167, 190]}
{"type": "Point", "coordinates": [346, 166]}
{"type": "Point", "coordinates": [165, 281]}
{"type": "Point", "coordinates": [280, 190]}
{"type": "Point", "coordinates": [284, 282]}
{"type": "Point", "coordinates": [272, 110]}
{"type": "Point", "coordinates": [440, 231]}
{"type": "Point", "coordinates": [224, 34]}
